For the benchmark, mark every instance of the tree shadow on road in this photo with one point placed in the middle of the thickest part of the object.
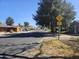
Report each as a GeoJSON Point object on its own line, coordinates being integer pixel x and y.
{"type": "Point", "coordinates": [58, 57]}
{"type": "Point", "coordinates": [31, 34]}
{"type": "Point", "coordinates": [6, 56]}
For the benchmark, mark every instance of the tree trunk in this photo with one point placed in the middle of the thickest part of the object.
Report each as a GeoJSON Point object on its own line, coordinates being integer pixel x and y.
{"type": "Point", "coordinates": [53, 27]}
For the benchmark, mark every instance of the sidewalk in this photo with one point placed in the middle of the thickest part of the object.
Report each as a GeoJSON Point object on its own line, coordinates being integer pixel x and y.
{"type": "Point", "coordinates": [62, 37]}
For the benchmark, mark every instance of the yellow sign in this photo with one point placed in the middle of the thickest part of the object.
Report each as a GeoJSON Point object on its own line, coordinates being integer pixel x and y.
{"type": "Point", "coordinates": [59, 23]}
{"type": "Point", "coordinates": [59, 18]}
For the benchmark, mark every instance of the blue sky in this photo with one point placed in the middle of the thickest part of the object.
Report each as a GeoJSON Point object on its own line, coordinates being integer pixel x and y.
{"type": "Point", "coordinates": [75, 3]}
{"type": "Point", "coordinates": [19, 10]}
{"type": "Point", "coordinates": [22, 10]}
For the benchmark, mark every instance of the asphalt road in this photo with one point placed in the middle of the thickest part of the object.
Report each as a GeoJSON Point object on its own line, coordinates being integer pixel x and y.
{"type": "Point", "coordinates": [23, 40]}
{"type": "Point", "coordinates": [18, 43]}
{"type": "Point", "coordinates": [13, 46]}
{"type": "Point", "coordinates": [29, 34]}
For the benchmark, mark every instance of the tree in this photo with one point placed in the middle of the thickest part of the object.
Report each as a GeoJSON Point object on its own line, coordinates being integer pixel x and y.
{"type": "Point", "coordinates": [20, 25]}
{"type": "Point", "coordinates": [26, 24]}
{"type": "Point", "coordinates": [9, 21]}
{"type": "Point", "coordinates": [49, 9]}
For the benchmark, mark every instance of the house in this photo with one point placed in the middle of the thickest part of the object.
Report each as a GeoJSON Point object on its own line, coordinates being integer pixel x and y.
{"type": "Point", "coordinates": [6, 28]}
{"type": "Point", "coordinates": [74, 27]}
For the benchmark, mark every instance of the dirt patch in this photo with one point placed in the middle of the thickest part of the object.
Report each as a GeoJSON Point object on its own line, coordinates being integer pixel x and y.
{"type": "Point", "coordinates": [56, 48]}
{"type": "Point", "coordinates": [74, 45]}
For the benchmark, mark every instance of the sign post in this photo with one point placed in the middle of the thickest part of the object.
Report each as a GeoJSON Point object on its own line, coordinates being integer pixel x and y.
{"type": "Point", "coordinates": [59, 23]}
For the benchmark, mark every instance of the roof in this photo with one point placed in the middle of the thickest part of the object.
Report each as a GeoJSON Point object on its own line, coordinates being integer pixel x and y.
{"type": "Point", "coordinates": [8, 26]}
{"type": "Point", "coordinates": [75, 21]}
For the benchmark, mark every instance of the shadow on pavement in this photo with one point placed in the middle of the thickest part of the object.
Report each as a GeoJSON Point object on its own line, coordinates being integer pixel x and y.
{"type": "Point", "coordinates": [72, 34]}
{"type": "Point", "coordinates": [31, 34]}
{"type": "Point", "coordinates": [5, 56]}
{"type": "Point", "coordinates": [58, 57]}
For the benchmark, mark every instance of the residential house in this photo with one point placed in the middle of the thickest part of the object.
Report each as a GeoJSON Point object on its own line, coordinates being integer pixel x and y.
{"type": "Point", "coordinates": [74, 27]}
{"type": "Point", "coordinates": [6, 28]}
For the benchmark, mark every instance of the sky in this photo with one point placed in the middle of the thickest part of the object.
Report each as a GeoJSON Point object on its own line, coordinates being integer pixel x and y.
{"type": "Point", "coordinates": [22, 10]}
{"type": "Point", "coordinates": [75, 3]}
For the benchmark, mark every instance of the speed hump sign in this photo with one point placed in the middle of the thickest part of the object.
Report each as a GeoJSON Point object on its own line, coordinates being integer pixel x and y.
{"type": "Point", "coordinates": [59, 23]}
{"type": "Point", "coordinates": [59, 18]}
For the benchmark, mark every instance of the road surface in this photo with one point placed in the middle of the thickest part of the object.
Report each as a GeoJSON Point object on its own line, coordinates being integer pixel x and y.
{"type": "Point", "coordinates": [26, 40]}
{"type": "Point", "coordinates": [18, 45]}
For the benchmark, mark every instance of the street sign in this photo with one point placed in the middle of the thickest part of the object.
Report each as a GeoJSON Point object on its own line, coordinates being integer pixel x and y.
{"type": "Point", "coordinates": [59, 23]}
{"type": "Point", "coordinates": [59, 18]}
